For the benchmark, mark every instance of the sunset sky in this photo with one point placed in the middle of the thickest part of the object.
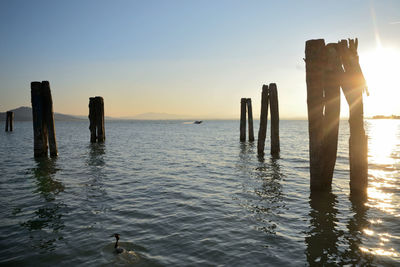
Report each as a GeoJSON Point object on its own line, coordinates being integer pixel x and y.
{"type": "Point", "coordinates": [195, 58]}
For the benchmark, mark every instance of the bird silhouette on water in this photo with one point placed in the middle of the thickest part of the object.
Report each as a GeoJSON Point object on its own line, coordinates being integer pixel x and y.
{"type": "Point", "coordinates": [117, 249]}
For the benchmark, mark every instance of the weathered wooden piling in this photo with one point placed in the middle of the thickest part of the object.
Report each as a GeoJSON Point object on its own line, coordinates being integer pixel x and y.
{"type": "Point", "coordinates": [250, 118]}
{"type": "Point", "coordinates": [243, 103]}
{"type": "Point", "coordinates": [315, 66]}
{"type": "Point", "coordinates": [273, 101]}
{"type": "Point", "coordinates": [353, 85]}
{"type": "Point", "coordinates": [332, 79]}
{"type": "Point", "coordinates": [9, 121]}
{"type": "Point", "coordinates": [43, 119]}
{"type": "Point", "coordinates": [325, 76]}
{"type": "Point", "coordinates": [262, 131]}
{"type": "Point", "coordinates": [96, 119]}
{"type": "Point", "coordinates": [49, 118]}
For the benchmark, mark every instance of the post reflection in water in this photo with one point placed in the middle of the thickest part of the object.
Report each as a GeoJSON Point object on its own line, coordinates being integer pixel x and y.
{"type": "Point", "coordinates": [356, 227]}
{"type": "Point", "coordinates": [262, 190]}
{"type": "Point", "coordinates": [47, 224]}
{"type": "Point", "coordinates": [96, 153]}
{"type": "Point", "coordinates": [322, 237]}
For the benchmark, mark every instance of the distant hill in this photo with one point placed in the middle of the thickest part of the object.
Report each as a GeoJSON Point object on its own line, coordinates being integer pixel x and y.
{"type": "Point", "coordinates": [25, 114]}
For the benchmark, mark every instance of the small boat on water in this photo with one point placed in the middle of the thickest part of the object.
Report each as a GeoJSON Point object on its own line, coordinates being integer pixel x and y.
{"type": "Point", "coordinates": [197, 122]}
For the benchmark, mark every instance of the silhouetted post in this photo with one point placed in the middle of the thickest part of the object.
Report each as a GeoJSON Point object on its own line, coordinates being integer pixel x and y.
{"type": "Point", "coordinates": [92, 120]}
{"type": "Point", "coordinates": [101, 136]}
{"type": "Point", "coordinates": [9, 121]}
{"type": "Point", "coordinates": [250, 117]}
{"type": "Point", "coordinates": [96, 119]}
{"type": "Point", "coordinates": [262, 131]}
{"type": "Point", "coordinates": [332, 81]}
{"type": "Point", "coordinates": [273, 101]}
{"type": "Point", "coordinates": [39, 125]}
{"type": "Point", "coordinates": [315, 66]}
{"type": "Point", "coordinates": [353, 85]}
{"type": "Point", "coordinates": [49, 117]}
{"type": "Point", "coordinates": [243, 103]}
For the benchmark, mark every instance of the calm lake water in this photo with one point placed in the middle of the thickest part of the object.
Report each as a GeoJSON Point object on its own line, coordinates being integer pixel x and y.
{"type": "Point", "coordinates": [182, 195]}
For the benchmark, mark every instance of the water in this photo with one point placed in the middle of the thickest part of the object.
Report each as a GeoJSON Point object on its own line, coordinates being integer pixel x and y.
{"type": "Point", "coordinates": [183, 194]}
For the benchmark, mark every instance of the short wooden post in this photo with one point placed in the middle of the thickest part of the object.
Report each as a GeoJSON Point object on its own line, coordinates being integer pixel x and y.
{"type": "Point", "coordinates": [101, 136]}
{"type": "Point", "coordinates": [92, 120]}
{"type": "Point", "coordinates": [49, 118]}
{"type": "Point", "coordinates": [332, 80]}
{"type": "Point", "coordinates": [39, 130]}
{"type": "Point", "coordinates": [250, 117]}
{"type": "Point", "coordinates": [243, 103]}
{"type": "Point", "coordinates": [9, 121]}
{"type": "Point", "coordinates": [96, 119]}
{"type": "Point", "coordinates": [353, 85]}
{"type": "Point", "coordinates": [273, 99]}
{"type": "Point", "coordinates": [262, 131]}
{"type": "Point", "coordinates": [315, 65]}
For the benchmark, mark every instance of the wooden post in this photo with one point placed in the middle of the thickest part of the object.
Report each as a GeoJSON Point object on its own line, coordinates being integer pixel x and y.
{"type": "Point", "coordinates": [96, 119]}
{"type": "Point", "coordinates": [250, 117]}
{"type": "Point", "coordinates": [315, 64]}
{"type": "Point", "coordinates": [353, 85]}
{"type": "Point", "coordinates": [92, 119]}
{"type": "Point", "coordinates": [262, 131]}
{"type": "Point", "coordinates": [43, 119]}
{"type": "Point", "coordinates": [9, 120]}
{"type": "Point", "coordinates": [243, 102]}
{"type": "Point", "coordinates": [273, 99]}
{"type": "Point", "coordinates": [332, 79]}
{"type": "Point", "coordinates": [101, 137]}
{"type": "Point", "coordinates": [49, 118]}
{"type": "Point", "coordinates": [39, 131]}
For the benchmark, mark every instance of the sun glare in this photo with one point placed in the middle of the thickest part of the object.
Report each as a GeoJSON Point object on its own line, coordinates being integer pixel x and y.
{"type": "Point", "coordinates": [381, 70]}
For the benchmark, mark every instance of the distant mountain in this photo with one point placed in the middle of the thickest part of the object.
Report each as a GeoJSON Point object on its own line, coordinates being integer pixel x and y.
{"type": "Point", "coordinates": [25, 114]}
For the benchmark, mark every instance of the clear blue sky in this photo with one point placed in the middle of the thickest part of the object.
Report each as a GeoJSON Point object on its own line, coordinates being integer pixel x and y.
{"type": "Point", "coordinates": [181, 57]}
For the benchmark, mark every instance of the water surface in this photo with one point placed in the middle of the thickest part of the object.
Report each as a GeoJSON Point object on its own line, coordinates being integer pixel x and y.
{"type": "Point", "coordinates": [184, 194]}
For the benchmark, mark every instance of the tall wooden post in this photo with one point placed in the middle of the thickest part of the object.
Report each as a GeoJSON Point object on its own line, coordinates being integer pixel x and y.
{"type": "Point", "coordinates": [273, 99]}
{"type": "Point", "coordinates": [332, 79]}
{"type": "Point", "coordinates": [262, 131]}
{"type": "Point", "coordinates": [353, 85]}
{"type": "Point", "coordinates": [243, 103]}
{"type": "Point", "coordinates": [49, 118]}
{"type": "Point", "coordinates": [250, 117]}
{"type": "Point", "coordinates": [9, 121]}
{"type": "Point", "coordinates": [96, 119]}
{"type": "Point", "coordinates": [315, 64]}
{"type": "Point", "coordinates": [39, 125]}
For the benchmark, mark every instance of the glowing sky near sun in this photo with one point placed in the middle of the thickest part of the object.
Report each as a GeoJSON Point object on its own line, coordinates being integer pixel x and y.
{"type": "Point", "coordinates": [188, 57]}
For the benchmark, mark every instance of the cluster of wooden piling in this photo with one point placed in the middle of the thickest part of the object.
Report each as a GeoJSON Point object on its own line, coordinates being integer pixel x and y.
{"type": "Point", "coordinates": [269, 96]}
{"type": "Point", "coordinates": [245, 103]}
{"type": "Point", "coordinates": [44, 133]}
{"type": "Point", "coordinates": [329, 68]}
{"type": "Point", "coordinates": [96, 118]}
{"type": "Point", "coordinates": [9, 121]}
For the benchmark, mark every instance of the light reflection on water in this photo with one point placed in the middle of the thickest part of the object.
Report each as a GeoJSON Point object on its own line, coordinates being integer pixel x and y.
{"type": "Point", "coordinates": [383, 187]}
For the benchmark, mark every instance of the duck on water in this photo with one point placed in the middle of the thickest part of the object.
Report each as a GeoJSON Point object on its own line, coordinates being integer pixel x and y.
{"type": "Point", "coordinates": [117, 249]}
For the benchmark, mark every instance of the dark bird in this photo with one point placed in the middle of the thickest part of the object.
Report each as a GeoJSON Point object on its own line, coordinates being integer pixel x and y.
{"type": "Point", "coordinates": [117, 249]}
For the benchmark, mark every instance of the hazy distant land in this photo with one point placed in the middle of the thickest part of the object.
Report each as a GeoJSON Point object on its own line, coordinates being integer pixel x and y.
{"type": "Point", "coordinates": [25, 114]}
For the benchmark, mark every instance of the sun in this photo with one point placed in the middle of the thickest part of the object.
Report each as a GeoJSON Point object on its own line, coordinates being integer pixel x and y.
{"type": "Point", "coordinates": [381, 68]}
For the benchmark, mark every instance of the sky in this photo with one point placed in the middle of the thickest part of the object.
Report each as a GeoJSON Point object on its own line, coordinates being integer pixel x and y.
{"type": "Point", "coordinates": [194, 58]}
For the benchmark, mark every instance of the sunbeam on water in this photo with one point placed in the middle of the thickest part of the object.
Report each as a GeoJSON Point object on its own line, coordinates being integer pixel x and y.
{"type": "Point", "coordinates": [383, 189]}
